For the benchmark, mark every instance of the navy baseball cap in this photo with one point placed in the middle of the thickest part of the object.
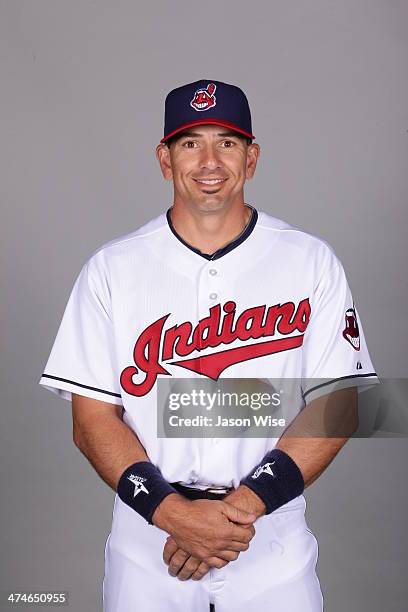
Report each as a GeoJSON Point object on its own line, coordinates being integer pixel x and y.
{"type": "Point", "coordinates": [207, 102]}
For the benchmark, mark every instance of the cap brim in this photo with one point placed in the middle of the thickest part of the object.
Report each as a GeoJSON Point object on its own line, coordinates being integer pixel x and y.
{"type": "Point", "coordinates": [226, 124]}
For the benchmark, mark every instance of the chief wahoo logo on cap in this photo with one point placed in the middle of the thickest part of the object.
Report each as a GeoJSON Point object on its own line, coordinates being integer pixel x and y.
{"type": "Point", "coordinates": [204, 98]}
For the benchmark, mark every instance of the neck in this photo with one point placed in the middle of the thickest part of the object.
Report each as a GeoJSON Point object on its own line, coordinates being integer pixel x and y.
{"type": "Point", "coordinates": [209, 232]}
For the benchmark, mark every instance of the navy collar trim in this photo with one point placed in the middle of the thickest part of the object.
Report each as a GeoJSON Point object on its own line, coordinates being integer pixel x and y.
{"type": "Point", "coordinates": [247, 231]}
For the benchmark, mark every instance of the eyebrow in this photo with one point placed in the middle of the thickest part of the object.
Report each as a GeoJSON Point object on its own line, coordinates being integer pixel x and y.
{"type": "Point", "coordinates": [189, 133]}
{"type": "Point", "coordinates": [230, 133]}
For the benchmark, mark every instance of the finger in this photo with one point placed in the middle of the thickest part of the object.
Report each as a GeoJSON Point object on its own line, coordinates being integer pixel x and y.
{"type": "Point", "coordinates": [216, 562]}
{"type": "Point", "coordinates": [236, 546]}
{"type": "Point", "coordinates": [201, 571]}
{"type": "Point", "coordinates": [225, 555]}
{"type": "Point", "coordinates": [239, 534]}
{"type": "Point", "coordinates": [236, 514]}
{"type": "Point", "coordinates": [177, 561]}
{"type": "Point", "coordinates": [169, 549]}
{"type": "Point", "coordinates": [188, 569]}
{"type": "Point", "coordinates": [250, 528]}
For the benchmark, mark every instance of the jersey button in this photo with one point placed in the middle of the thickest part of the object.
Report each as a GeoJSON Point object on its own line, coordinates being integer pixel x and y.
{"type": "Point", "coordinates": [213, 296]}
{"type": "Point", "coordinates": [213, 271]}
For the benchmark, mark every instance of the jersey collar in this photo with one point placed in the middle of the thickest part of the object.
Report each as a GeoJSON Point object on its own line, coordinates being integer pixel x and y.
{"type": "Point", "coordinates": [247, 231]}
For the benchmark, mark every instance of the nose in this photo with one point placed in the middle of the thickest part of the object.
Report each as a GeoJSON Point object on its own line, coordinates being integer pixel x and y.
{"type": "Point", "coordinates": [209, 157]}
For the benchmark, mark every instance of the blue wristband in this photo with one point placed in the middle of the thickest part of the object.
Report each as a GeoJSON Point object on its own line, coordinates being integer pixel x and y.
{"type": "Point", "coordinates": [276, 480]}
{"type": "Point", "coordinates": [142, 487]}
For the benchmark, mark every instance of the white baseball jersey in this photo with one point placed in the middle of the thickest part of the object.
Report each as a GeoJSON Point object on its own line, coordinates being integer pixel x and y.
{"type": "Point", "coordinates": [272, 303]}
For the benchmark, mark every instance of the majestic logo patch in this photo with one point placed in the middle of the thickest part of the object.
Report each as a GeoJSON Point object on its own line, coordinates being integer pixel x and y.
{"type": "Point", "coordinates": [264, 469]}
{"type": "Point", "coordinates": [221, 328]}
{"type": "Point", "coordinates": [350, 332]}
{"type": "Point", "coordinates": [204, 98]}
{"type": "Point", "coordinates": [138, 482]}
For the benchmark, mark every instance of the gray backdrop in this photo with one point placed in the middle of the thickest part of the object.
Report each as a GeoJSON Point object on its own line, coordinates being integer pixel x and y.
{"type": "Point", "coordinates": [82, 91]}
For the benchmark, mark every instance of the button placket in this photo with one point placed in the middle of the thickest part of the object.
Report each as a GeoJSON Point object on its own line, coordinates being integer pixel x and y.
{"type": "Point", "coordinates": [209, 294]}
{"type": "Point", "coordinates": [213, 277]}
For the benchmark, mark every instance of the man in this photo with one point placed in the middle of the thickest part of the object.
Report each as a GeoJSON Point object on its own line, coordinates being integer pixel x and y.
{"type": "Point", "coordinates": [212, 289]}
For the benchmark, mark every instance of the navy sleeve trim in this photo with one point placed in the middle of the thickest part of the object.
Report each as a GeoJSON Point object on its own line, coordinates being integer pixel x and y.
{"type": "Point", "coordinates": [73, 382]}
{"type": "Point", "coordinates": [329, 382]}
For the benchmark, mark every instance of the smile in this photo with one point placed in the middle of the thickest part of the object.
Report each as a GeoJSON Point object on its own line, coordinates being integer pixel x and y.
{"type": "Point", "coordinates": [210, 181]}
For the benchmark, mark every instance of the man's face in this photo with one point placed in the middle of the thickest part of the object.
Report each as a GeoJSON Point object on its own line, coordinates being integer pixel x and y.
{"type": "Point", "coordinates": [208, 166]}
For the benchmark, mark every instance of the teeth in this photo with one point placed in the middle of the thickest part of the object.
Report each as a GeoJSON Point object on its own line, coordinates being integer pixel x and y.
{"type": "Point", "coordinates": [354, 341]}
{"type": "Point", "coordinates": [210, 181]}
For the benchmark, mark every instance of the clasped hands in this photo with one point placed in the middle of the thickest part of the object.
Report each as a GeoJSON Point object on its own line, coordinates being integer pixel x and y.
{"type": "Point", "coordinates": [206, 533]}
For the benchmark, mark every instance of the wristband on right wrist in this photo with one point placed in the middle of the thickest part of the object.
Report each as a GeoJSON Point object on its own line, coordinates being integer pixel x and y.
{"type": "Point", "coordinates": [143, 488]}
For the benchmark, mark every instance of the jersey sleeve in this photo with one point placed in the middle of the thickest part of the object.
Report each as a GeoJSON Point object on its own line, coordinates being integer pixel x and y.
{"type": "Point", "coordinates": [82, 358]}
{"type": "Point", "coordinates": [335, 352]}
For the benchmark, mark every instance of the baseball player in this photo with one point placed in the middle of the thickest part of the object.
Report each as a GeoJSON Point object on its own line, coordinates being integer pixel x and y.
{"type": "Point", "coordinates": [212, 288]}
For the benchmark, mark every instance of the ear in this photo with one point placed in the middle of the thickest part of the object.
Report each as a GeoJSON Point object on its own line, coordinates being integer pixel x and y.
{"type": "Point", "coordinates": [253, 153]}
{"type": "Point", "coordinates": [163, 156]}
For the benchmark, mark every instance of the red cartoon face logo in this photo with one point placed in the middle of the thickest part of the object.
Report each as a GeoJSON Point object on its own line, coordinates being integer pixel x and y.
{"type": "Point", "coordinates": [350, 332]}
{"type": "Point", "coordinates": [204, 98]}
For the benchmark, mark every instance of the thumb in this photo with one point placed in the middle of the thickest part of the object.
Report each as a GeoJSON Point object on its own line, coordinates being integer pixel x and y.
{"type": "Point", "coordinates": [236, 515]}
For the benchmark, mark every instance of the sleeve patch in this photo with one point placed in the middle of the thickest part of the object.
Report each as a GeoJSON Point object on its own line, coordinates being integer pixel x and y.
{"type": "Point", "coordinates": [351, 332]}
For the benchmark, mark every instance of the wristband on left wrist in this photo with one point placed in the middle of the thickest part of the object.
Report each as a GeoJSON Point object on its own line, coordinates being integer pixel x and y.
{"type": "Point", "coordinates": [276, 480]}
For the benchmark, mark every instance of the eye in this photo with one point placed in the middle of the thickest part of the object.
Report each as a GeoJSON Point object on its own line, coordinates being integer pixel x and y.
{"type": "Point", "coordinates": [189, 144]}
{"type": "Point", "coordinates": [228, 143]}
